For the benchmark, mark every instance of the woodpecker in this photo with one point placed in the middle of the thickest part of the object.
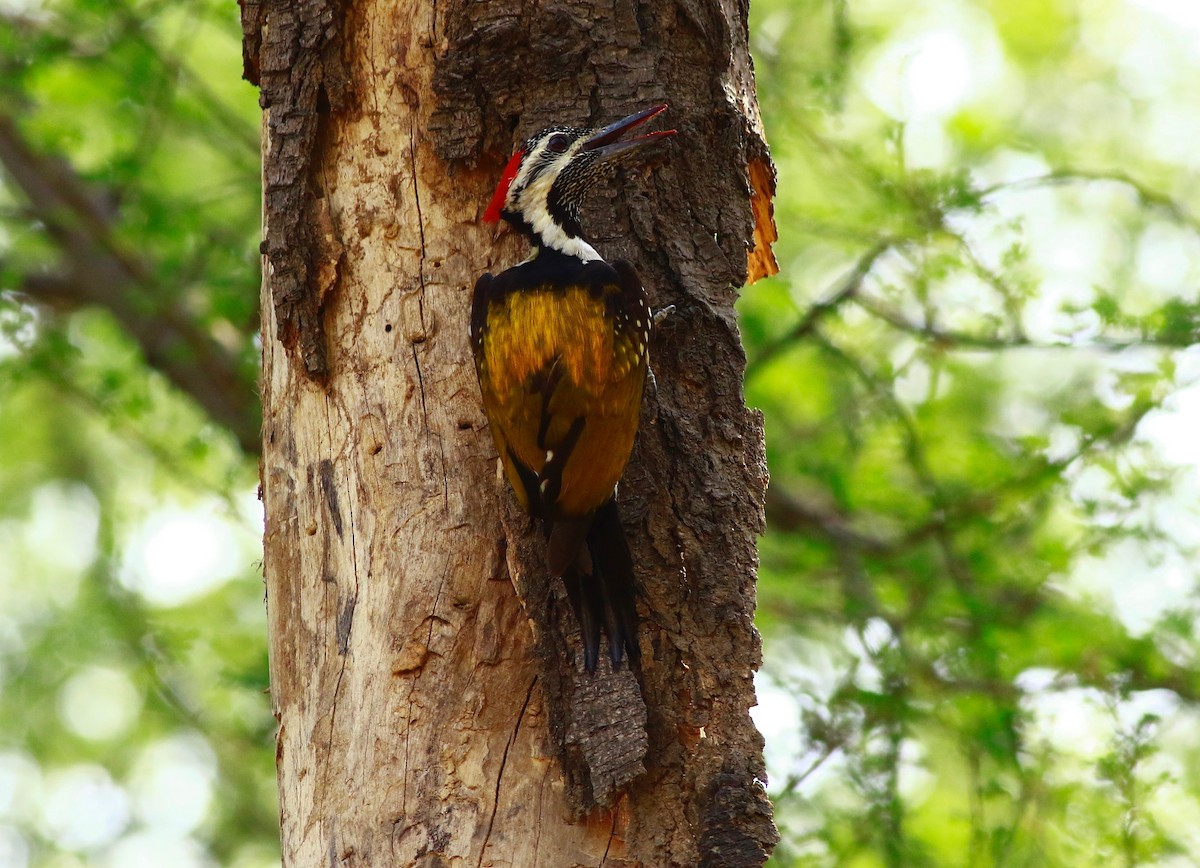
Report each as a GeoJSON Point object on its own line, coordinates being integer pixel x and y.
{"type": "Point", "coordinates": [561, 350]}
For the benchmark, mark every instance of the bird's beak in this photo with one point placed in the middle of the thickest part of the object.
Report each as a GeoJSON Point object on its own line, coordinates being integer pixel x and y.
{"type": "Point", "coordinates": [604, 143]}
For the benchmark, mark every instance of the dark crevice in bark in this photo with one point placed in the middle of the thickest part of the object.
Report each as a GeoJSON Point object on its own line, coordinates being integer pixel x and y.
{"type": "Point", "coordinates": [500, 774]}
{"type": "Point", "coordinates": [292, 51]}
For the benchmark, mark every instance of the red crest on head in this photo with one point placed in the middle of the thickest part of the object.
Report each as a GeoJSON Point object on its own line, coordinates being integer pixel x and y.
{"type": "Point", "coordinates": [492, 214]}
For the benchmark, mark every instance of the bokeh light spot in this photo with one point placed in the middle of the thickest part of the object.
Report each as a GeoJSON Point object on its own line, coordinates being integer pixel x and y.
{"type": "Point", "coordinates": [99, 703]}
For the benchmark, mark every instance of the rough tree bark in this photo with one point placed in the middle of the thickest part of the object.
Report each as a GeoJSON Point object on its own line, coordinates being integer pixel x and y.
{"type": "Point", "coordinates": [421, 719]}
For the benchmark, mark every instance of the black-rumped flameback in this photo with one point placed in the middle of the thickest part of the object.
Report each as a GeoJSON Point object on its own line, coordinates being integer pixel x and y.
{"type": "Point", "coordinates": [560, 344]}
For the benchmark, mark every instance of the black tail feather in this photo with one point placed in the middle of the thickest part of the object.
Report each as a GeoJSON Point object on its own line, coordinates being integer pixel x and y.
{"type": "Point", "coordinates": [564, 545]}
{"type": "Point", "coordinates": [613, 578]}
{"type": "Point", "coordinates": [585, 613]}
{"type": "Point", "coordinates": [600, 583]}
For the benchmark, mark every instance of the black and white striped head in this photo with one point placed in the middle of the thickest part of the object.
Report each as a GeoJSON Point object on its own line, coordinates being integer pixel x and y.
{"type": "Point", "coordinates": [545, 181]}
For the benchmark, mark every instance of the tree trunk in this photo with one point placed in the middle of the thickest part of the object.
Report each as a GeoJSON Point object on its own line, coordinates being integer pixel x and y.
{"type": "Point", "coordinates": [427, 713]}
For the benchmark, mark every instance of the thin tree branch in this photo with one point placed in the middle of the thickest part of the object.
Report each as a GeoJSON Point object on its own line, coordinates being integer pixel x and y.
{"type": "Point", "coordinates": [846, 288]}
{"type": "Point", "coordinates": [796, 780]}
{"type": "Point", "coordinates": [965, 341]}
{"type": "Point", "coordinates": [99, 272]}
{"type": "Point", "coordinates": [1148, 196]}
{"type": "Point", "coordinates": [246, 134]}
{"type": "Point", "coordinates": [789, 513]}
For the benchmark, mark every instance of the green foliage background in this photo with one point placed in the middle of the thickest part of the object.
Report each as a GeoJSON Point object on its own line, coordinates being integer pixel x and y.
{"type": "Point", "coordinates": [978, 584]}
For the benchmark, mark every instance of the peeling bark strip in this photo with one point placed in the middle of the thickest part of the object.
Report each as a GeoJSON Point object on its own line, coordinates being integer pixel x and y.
{"type": "Point", "coordinates": [762, 261]}
{"type": "Point", "coordinates": [292, 50]}
{"type": "Point", "coordinates": [422, 720]}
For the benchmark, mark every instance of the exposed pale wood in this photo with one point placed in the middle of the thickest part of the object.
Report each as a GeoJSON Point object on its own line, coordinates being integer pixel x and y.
{"type": "Point", "coordinates": [420, 723]}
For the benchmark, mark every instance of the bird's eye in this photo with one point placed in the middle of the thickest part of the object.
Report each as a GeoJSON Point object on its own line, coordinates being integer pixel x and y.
{"type": "Point", "coordinates": [558, 143]}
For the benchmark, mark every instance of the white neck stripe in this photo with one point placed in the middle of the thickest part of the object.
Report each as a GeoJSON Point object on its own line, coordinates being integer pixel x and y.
{"type": "Point", "coordinates": [553, 236]}
{"type": "Point", "coordinates": [530, 202]}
